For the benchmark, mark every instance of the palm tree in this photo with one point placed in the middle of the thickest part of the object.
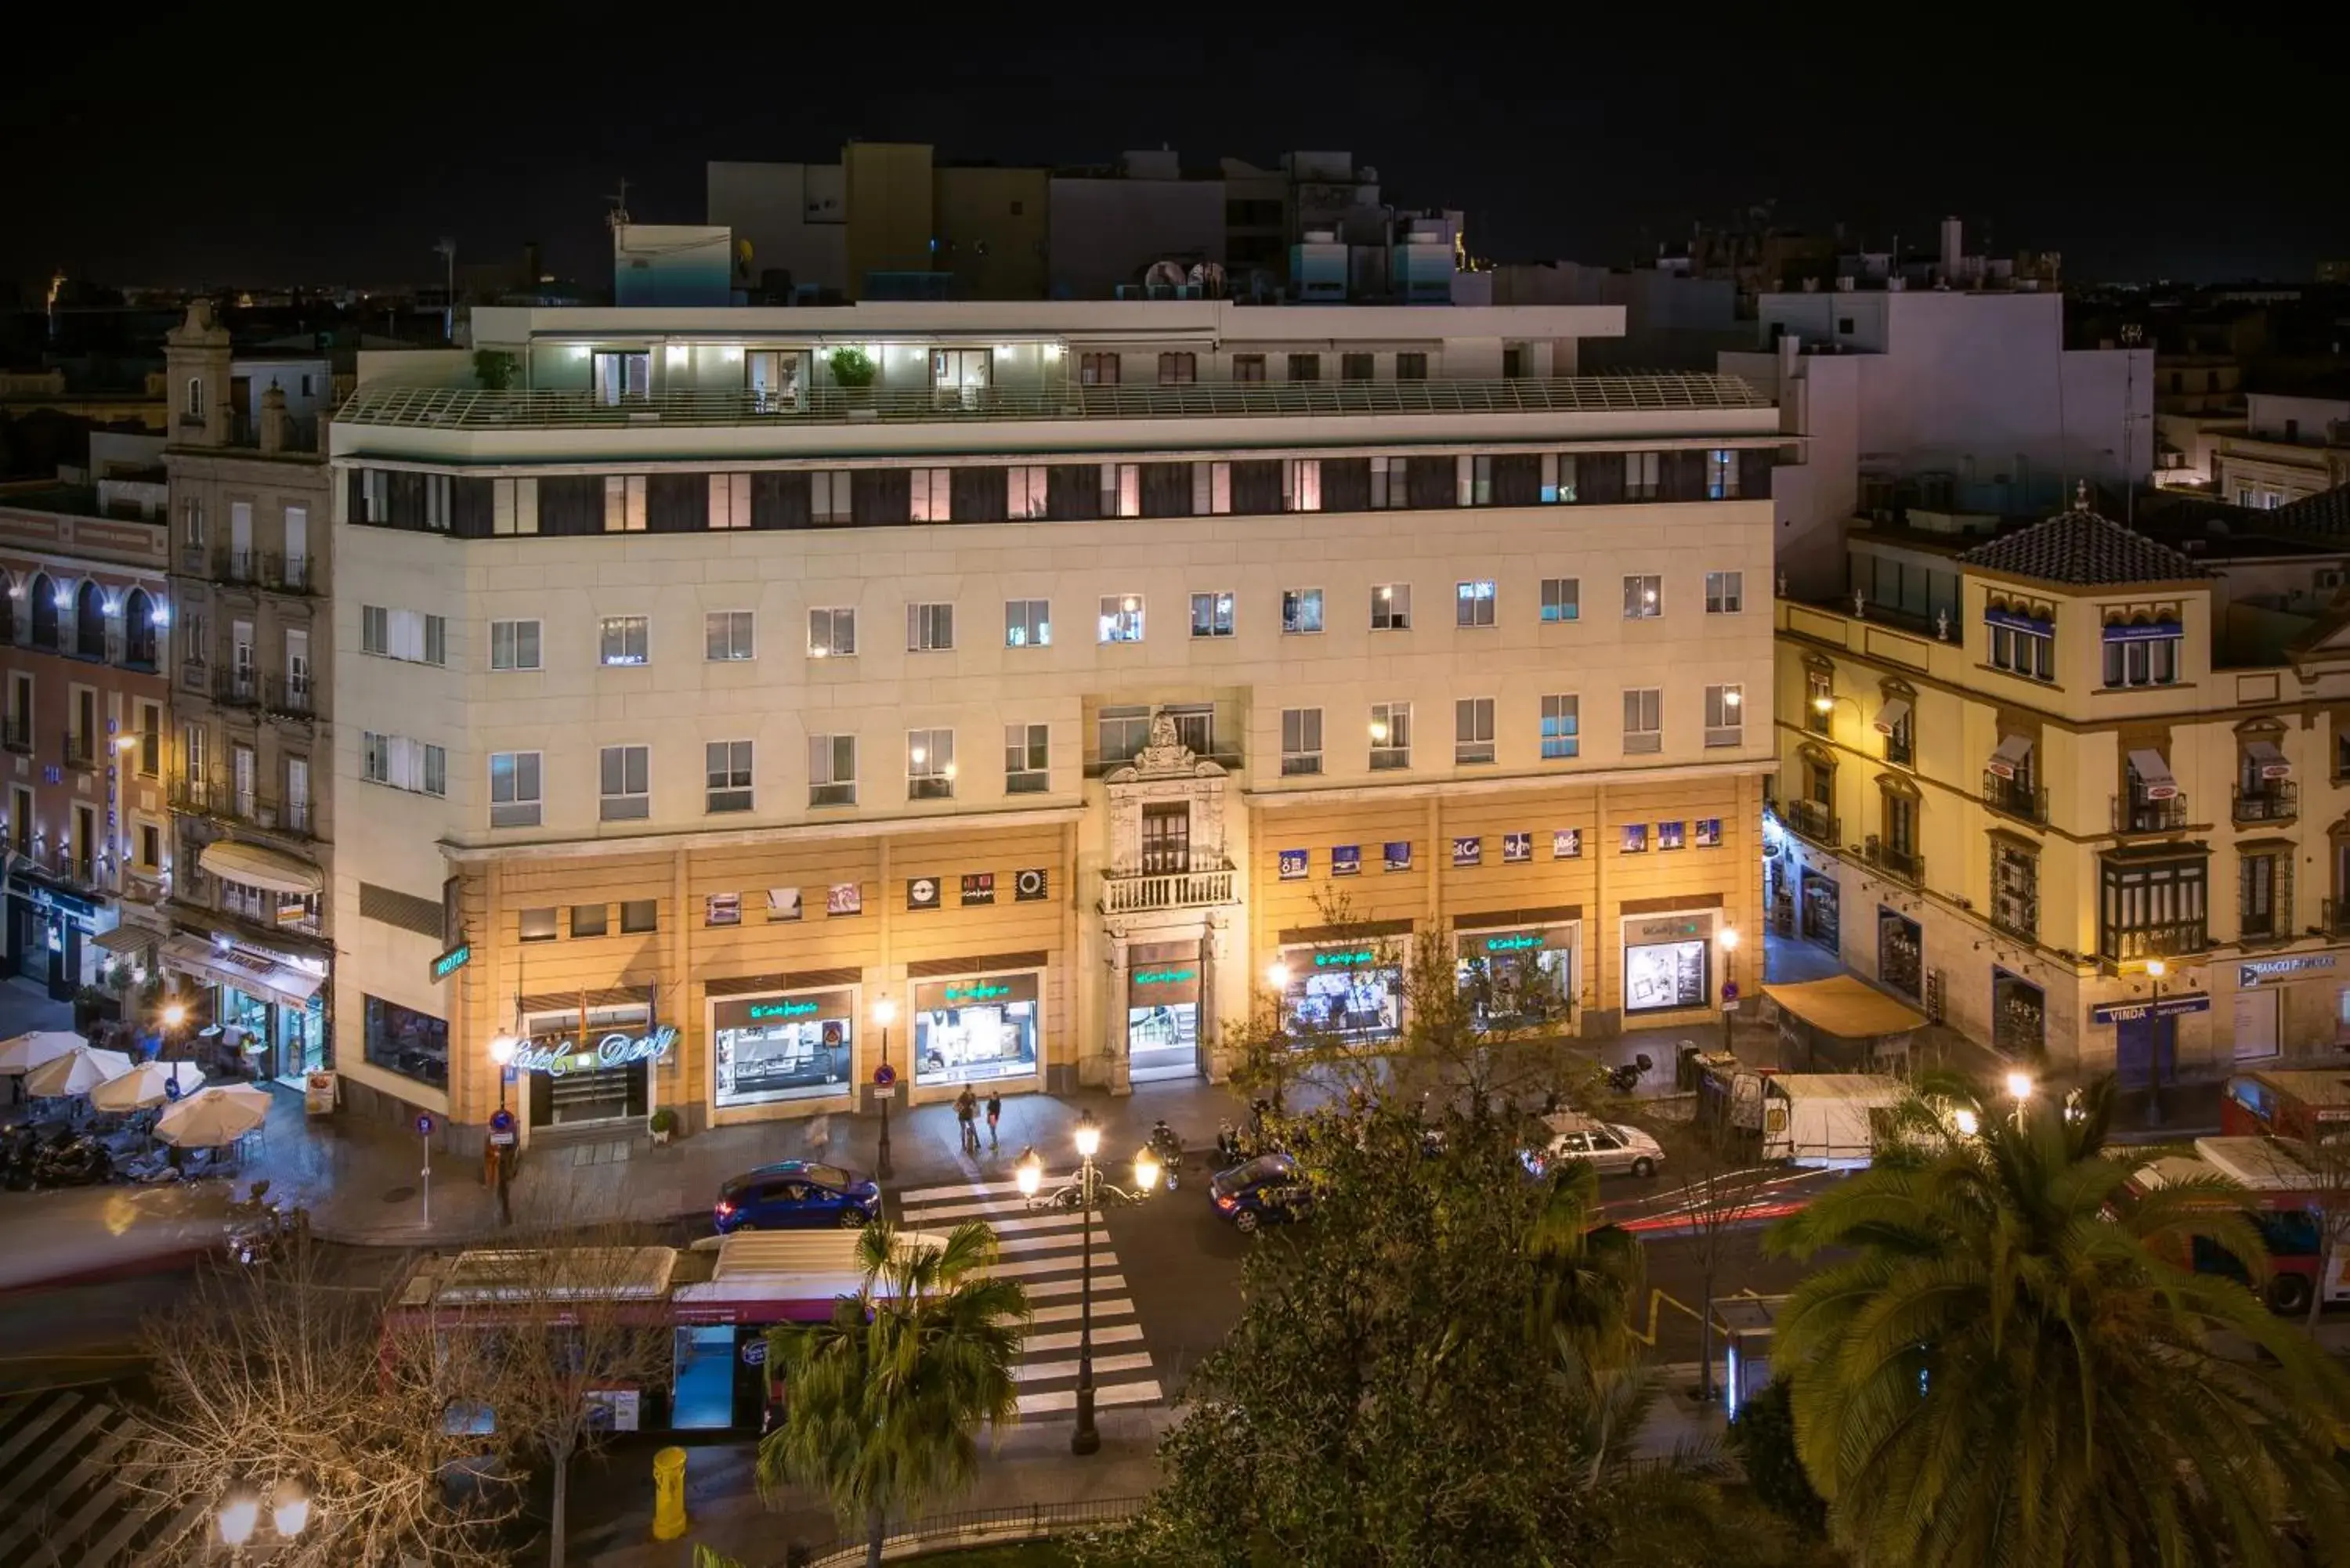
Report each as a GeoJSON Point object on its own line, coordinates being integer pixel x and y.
{"type": "Point", "coordinates": [2011, 1363]}
{"type": "Point", "coordinates": [883, 1402]}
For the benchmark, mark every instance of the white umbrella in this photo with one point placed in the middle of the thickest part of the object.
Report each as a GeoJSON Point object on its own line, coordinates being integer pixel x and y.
{"type": "Point", "coordinates": [210, 1117]}
{"type": "Point", "coordinates": [77, 1072]}
{"type": "Point", "coordinates": [26, 1052]}
{"type": "Point", "coordinates": [146, 1085]}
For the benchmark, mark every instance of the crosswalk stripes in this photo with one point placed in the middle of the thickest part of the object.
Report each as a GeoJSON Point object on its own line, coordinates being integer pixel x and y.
{"type": "Point", "coordinates": [1045, 1252]}
{"type": "Point", "coordinates": [68, 1493]}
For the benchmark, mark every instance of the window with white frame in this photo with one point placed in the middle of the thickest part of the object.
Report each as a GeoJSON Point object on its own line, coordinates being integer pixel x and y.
{"type": "Point", "coordinates": [1301, 611]}
{"type": "Point", "coordinates": [1027, 759]}
{"type": "Point", "coordinates": [1641, 470]}
{"type": "Point", "coordinates": [1024, 492]}
{"type": "Point", "coordinates": [1644, 597]}
{"type": "Point", "coordinates": [1472, 603]}
{"type": "Point", "coordinates": [828, 496]}
{"type": "Point", "coordinates": [1301, 740]}
{"type": "Point", "coordinates": [728, 763]}
{"type": "Point", "coordinates": [930, 764]}
{"type": "Point", "coordinates": [727, 636]}
{"type": "Point", "coordinates": [514, 645]}
{"type": "Point", "coordinates": [513, 789]}
{"type": "Point", "coordinates": [1562, 727]}
{"type": "Point", "coordinates": [1195, 725]}
{"type": "Point", "coordinates": [1391, 482]}
{"type": "Point", "coordinates": [1725, 593]}
{"type": "Point", "coordinates": [1721, 475]}
{"type": "Point", "coordinates": [1121, 617]}
{"type": "Point", "coordinates": [1120, 733]}
{"type": "Point", "coordinates": [407, 635]}
{"type": "Point", "coordinates": [933, 494]}
{"type": "Point", "coordinates": [1301, 484]}
{"type": "Point", "coordinates": [1027, 623]}
{"type": "Point", "coordinates": [1561, 599]}
{"type": "Point", "coordinates": [832, 770]}
{"type": "Point", "coordinates": [730, 501]}
{"type": "Point", "coordinates": [832, 633]}
{"type": "Point", "coordinates": [1211, 615]}
{"type": "Point", "coordinates": [624, 640]}
{"type": "Point", "coordinates": [1391, 607]}
{"type": "Point", "coordinates": [403, 764]}
{"type": "Point", "coordinates": [1390, 735]}
{"type": "Point", "coordinates": [1644, 729]}
{"type": "Point", "coordinates": [625, 781]}
{"type": "Point", "coordinates": [1472, 731]}
{"type": "Point", "coordinates": [929, 629]}
{"type": "Point", "coordinates": [624, 504]}
{"type": "Point", "coordinates": [1725, 715]}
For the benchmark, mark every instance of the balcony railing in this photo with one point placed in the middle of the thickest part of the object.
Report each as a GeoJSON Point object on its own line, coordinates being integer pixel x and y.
{"type": "Point", "coordinates": [1812, 821]}
{"type": "Point", "coordinates": [2017, 914]}
{"type": "Point", "coordinates": [293, 697]}
{"type": "Point", "coordinates": [1906, 864]}
{"type": "Point", "coordinates": [196, 560]}
{"type": "Point", "coordinates": [475, 408]}
{"type": "Point", "coordinates": [198, 796]}
{"type": "Point", "coordinates": [80, 751]}
{"type": "Point", "coordinates": [242, 567]}
{"type": "Point", "coordinates": [2155, 942]}
{"type": "Point", "coordinates": [2014, 797]}
{"type": "Point", "coordinates": [2272, 800]}
{"type": "Point", "coordinates": [1899, 750]}
{"type": "Point", "coordinates": [241, 687]}
{"type": "Point", "coordinates": [17, 732]}
{"type": "Point", "coordinates": [1135, 893]}
{"type": "Point", "coordinates": [286, 574]}
{"type": "Point", "coordinates": [2134, 814]}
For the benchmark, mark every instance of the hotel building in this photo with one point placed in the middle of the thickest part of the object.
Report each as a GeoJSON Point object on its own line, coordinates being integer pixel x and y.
{"type": "Point", "coordinates": [703, 700]}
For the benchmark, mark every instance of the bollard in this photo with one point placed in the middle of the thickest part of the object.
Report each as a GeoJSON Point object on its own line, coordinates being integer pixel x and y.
{"type": "Point", "coordinates": [668, 1494]}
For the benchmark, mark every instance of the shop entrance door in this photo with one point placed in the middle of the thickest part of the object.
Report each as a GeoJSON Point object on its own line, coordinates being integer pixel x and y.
{"type": "Point", "coordinates": [702, 1395]}
{"type": "Point", "coordinates": [2146, 1052]}
{"type": "Point", "coordinates": [2256, 1024]}
{"type": "Point", "coordinates": [1162, 1010]}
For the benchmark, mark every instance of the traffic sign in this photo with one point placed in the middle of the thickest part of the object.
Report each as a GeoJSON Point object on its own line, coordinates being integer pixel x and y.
{"type": "Point", "coordinates": [502, 1120]}
{"type": "Point", "coordinates": [884, 1075]}
{"type": "Point", "coordinates": [424, 1125]}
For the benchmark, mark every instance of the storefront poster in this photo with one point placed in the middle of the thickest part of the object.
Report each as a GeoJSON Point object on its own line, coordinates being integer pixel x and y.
{"type": "Point", "coordinates": [1662, 976]}
{"type": "Point", "coordinates": [1566, 844]}
{"type": "Point", "coordinates": [1030, 886]}
{"type": "Point", "coordinates": [1708, 832]}
{"type": "Point", "coordinates": [1398, 855]}
{"type": "Point", "coordinates": [784, 1046]}
{"type": "Point", "coordinates": [1521, 978]}
{"type": "Point", "coordinates": [613, 1409]}
{"type": "Point", "coordinates": [1517, 846]}
{"type": "Point", "coordinates": [1671, 835]}
{"type": "Point", "coordinates": [725, 909]}
{"type": "Point", "coordinates": [1636, 838]}
{"type": "Point", "coordinates": [782, 903]}
{"type": "Point", "coordinates": [921, 892]}
{"type": "Point", "coordinates": [1295, 863]}
{"type": "Point", "coordinates": [1345, 859]}
{"type": "Point", "coordinates": [1468, 851]}
{"type": "Point", "coordinates": [978, 888]}
{"type": "Point", "coordinates": [844, 899]}
{"type": "Point", "coordinates": [975, 1028]}
{"type": "Point", "coordinates": [1345, 991]}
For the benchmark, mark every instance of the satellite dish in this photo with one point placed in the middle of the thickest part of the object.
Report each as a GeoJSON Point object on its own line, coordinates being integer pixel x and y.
{"type": "Point", "coordinates": [1164, 272]}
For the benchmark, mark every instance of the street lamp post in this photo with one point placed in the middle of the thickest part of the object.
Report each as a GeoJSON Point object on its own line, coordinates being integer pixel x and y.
{"type": "Point", "coordinates": [503, 1047]}
{"type": "Point", "coordinates": [1086, 1190]}
{"type": "Point", "coordinates": [885, 1012]}
{"type": "Point", "coordinates": [240, 1516]}
{"type": "Point", "coordinates": [2155, 969]}
{"type": "Point", "coordinates": [1729, 982]}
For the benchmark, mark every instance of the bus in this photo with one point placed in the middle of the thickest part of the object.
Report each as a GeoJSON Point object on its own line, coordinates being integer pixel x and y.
{"type": "Point", "coordinates": [2285, 1211]}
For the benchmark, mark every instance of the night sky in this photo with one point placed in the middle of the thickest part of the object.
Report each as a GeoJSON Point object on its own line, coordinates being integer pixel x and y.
{"type": "Point", "coordinates": [291, 153]}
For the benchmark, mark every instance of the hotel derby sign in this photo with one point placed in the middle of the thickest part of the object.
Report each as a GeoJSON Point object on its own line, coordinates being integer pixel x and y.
{"type": "Point", "coordinates": [616, 1050]}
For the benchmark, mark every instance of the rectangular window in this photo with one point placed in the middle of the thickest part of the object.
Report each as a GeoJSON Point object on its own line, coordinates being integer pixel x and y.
{"type": "Point", "coordinates": [1562, 599]}
{"type": "Point", "coordinates": [1644, 597]}
{"type": "Point", "coordinates": [625, 780]}
{"type": "Point", "coordinates": [1390, 735]}
{"type": "Point", "coordinates": [375, 755]}
{"type": "Point", "coordinates": [1391, 607]}
{"type": "Point", "coordinates": [1301, 740]}
{"type": "Point", "coordinates": [1211, 615]}
{"type": "Point", "coordinates": [1721, 475]}
{"type": "Point", "coordinates": [1392, 483]}
{"type": "Point", "coordinates": [1098, 370]}
{"type": "Point", "coordinates": [1411, 366]}
{"type": "Point", "coordinates": [2151, 910]}
{"type": "Point", "coordinates": [1121, 617]}
{"type": "Point", "coordinates": [726, 636]}
{"type": "Point", "coordinates": [1356, 367]}
{"type": "Point", "coordinates": [730, 501]}
{"type": "Point", "coordinates": [2140, 661]}
{"type": "Point", "coordinates": [624, 504]}
{"type": "Point", "coordinates": [832, 633]}
{"type": "Point", "coordinates": [151, 734]}
{"type": "Point", "coordinates": [929, 629]}
{"type": "Point", "coordinates": [1472, 603]}
{"type": "Point", "coordinates": [930, 764]}
{"type": "Point", "coordinates": [590, 920]}
{"type": "Point", "coordinates": [1212, 489]}
{"type": "Point", "coordinates": [1561, 727]}
{"type": "Point", "coordinates": [932, 489]}
{"type": "Point", "coordinates": [830, 496]}
{"type": "Point", "coordinates": [1027, 623]}
{"type": "Point", "coordinates": [534, 925]}
{"type": "Point", "coordinates": [1557, 478]}
{"type": "Point", "coordinates": [1027, 759]}
{"type": "Point", "coordinates": [1120, 733]}
{"type": "Point", "coordinates": [624, 640]}
{"type": "Point", "coordinates": [375, 630]}
{"type": "Point", "coordinates": [1025, 487]}
{"type": "Point", "coordinates": [729, 766]}
{"type": "Point", "coordinates": [1725, 715]}
{"type": "Point", "coordinates": [640, 916]}
{"type": "Point", "coordinates": [832, 770]}
{"type": "Point", "coordinates": [1248, 367]}
{"type": "Point", "coordinates": [1305, 367]}
{"type": "Point", "coordinates": [403, 764]}
{"type": "Point", "coordinates": [1725, 593]}
{"type": "Point", "coordinates": [1472, 731]}
{"type": "Point", "coordinates": [514, 645]}
{"type": "Point", "coordinates": [1476, 481]}
{"type": "Point", "coordinates": [513, 789]}
{"type": "Point", "coordinates": [1643, 720]}
{"type": "Point", "coordinates": [402, 634]}
{"type": "Point", "coordinates": [1641, 470]}
{"type": "Point", "coordinates": [1301, 484]}
{"type": "Point", "coordinates": [1178, 370]}
{"type": "Point", "coordinates": [1121, 490]}
{"type": "Point", "coordinates": [1301, 611]}
{"type": "Point", "coordinates": [2015, 891]}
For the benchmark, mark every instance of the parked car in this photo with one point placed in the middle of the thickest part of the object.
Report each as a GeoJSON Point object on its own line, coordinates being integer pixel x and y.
{"type": "Point", "coordinates": [796, 1195]}
{"type": "Point", "coordinates": [1610, 1148]}
{"type": "Point", "coordinates": [1267, 1190]}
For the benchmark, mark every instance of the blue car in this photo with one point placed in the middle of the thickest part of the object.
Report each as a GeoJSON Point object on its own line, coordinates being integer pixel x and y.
{"type": "Point", "coordinates": [798, 1195]}
{"type": "Point", "coordinates": [1267, 1190]}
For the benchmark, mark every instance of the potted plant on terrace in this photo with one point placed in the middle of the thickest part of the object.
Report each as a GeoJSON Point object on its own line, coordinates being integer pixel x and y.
{"type": "Point", "coordinates": [854, 372]}
{"type": "Point", "coordinates": [662, 1124]}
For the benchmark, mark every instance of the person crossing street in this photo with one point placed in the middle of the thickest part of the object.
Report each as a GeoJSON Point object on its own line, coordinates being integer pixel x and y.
{"type": "Point", "coordinates": [967, 1113]}
{"type": "Point", "coordinates": [995, 1115]}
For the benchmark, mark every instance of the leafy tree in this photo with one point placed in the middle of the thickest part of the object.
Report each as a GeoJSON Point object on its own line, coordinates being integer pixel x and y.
{"type": "Point", "coordinates": [1763, 1434]}
{"type": "Point", "coordinates": [1994, 1371]}
{"type": "Point", "coordinates": [886, 1397]}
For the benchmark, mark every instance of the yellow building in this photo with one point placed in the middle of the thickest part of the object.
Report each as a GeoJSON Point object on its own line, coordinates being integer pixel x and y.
{"type": "Point", "coordinates": [2070, 795]}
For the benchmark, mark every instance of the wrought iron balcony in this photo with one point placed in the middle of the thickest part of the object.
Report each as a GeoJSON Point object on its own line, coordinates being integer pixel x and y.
{"type": "Point", "coordinates": [241, 688]}
{"type": "Point", "coordinates": [80, 751]}
{"type": "Point", "coordinates": [1810, 819]}
{"type": "Point", "coordinates": [1138, 892]}
{"type": "Point", "coordinates": [2014, 797]}
{"type": "Point", "coordinates": [292, 697]}
{"type": "Point", "coordinates": [2016, 914]}
{"type": "Point", "coordinates": [241, 566]}
{"type": "Point", "coordinates": [195, 560]}
{"type": "Point", "coordinates": [287, 574]}
{"type": "Point", "coordinates": [2173, 940]}
{"type": "Point", "coordinates": [17, 732]}
{"type": "Point", "coordinates": [1900, 750]}
{"type": "Point", "coordinates": [2271, 800]}
{"type": "Point", "coordinates": [1906, 864]}
{"type": "Point", "coordinates": [2134, 814]}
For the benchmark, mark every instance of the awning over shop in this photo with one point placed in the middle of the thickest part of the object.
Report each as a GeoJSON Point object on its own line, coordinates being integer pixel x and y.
{"type": "Point", "coordinates": [2154, 774]}
{"type": "Point", "coordinates": [2264, 755]}
{"type": "Point", "coordinates": [128, 938]}
{"type": "Point", "coordinates": [271, 870]}
{"type": "Point", "coordinates": [1889, 717]}
{"type": "Point", "coordinates": [1845, 1007]}
{"type": "Point", "coordinates": [248, 971]}
{"type": "Point", "coordinates": [2013, 752]}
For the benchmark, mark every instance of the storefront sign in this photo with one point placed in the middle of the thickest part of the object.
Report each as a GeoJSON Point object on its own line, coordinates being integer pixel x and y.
{"type": "Point", "coordinates": [977, 991]}
{"type": "Point", "coordinates": [1344, 958]}
{"type": "Point", "coordinates": [1515, 942]}
{"type": "Point", "coordinates": [1468, 851]}
{"type": "Point", "coordinates": [1166, 976]}
{"type": "Point", "coordinates": [755, 1351]}
{"type": "Point", "coordinates": [844, 899]}
{"type": "Point", "coordinates": [1030, 886]}
{"type": "Point", "coordinates": [1636, 838]}
{"type": "Point", "coordinates": [2134, 1011]}
{"type": "Point", "coordinates": [452, 960]}
{"type": "Point", "coordinates": [78, 913]}
{"type": "Point", "coordinates": [615, 1049]}
{"type": "Point", "coordinates": [2155, 631]}
{"type": "Point", "coordinates": [978, 888]}
{"type": "Point", "coordinates": [1398, 853]}
{"type": "Point", "coordinates": [1517, 847]}
{"type": "Point", "coordinates": [722, 909]}
{"type": "Point", "coordinates": [2259, 970]}
{"type": "Point", "coordinates": [1708, 832]}
{"type": "Point", "coordinates": [782, 903]}
{"type": "Point", "coordinates": [790, 1007]}
{"type": "Point", "coordinates": [1671, 835]}
{"type": "Point", "coordinates": [1345, 859]}
{"type": "Point", "coordinates": [1295, 863]}
{"type": "Point", "coordinates": [923, 893]}
{"type": "Point", "coordinates": [1566, 844]}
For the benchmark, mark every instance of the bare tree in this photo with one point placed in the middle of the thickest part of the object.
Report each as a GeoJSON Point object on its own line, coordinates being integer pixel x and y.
{"type": "Point", "coordinates": [274, 1384]}
{"type": "Point", "coordinates": [1718, 1197]}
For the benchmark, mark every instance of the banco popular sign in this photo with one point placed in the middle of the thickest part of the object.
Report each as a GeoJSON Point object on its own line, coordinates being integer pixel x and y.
{"type": "Point", "coordinates": [612, 1051]}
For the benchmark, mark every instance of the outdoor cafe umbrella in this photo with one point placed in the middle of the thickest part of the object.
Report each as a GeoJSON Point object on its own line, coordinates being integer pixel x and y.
{"type": "Point", "coordinates": [210, 1117]}
{"type": "Point", "coordinates": [26, 1052]}
{"type": "Point", "coordinates": [147, 1086]}
{"type": "Point", "coordinates": [77, 1072]}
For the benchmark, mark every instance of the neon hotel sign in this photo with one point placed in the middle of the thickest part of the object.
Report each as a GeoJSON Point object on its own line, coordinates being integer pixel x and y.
{"type": "Point", "coordinates": [612, 1051]}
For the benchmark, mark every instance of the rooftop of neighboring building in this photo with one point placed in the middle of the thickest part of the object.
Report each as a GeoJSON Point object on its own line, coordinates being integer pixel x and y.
{"type": "Point", "coordinates": [2081, 548]}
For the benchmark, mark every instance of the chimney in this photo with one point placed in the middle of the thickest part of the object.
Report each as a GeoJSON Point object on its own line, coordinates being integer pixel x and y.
{"type": "Point", "coordinates": [1953, 248]}
{"type": "Point", "coordinates": [272, 419]}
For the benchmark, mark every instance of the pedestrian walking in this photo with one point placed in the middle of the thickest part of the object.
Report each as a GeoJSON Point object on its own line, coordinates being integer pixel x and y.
{"type": "Point", "coordinates": [967, 1113]}
{"type": "Point", "coordinates": [995, 1115]}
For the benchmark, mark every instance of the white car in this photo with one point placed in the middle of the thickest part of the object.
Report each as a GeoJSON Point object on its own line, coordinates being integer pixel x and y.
{"type": "Point", "coordinates": [1612, 1148]}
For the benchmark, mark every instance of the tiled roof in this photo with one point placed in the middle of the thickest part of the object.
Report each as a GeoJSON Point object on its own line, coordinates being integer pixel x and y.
{"type": "Point", "coordinates": [2080, 549]}
{"type": "Point", "coordinates": [2325, 514]}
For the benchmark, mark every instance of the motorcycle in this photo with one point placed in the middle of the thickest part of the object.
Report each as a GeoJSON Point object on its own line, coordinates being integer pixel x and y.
{"type": "Point", "coordinates": [260, 1230]}
{"type": "Point", "coordinates": [1168, 1147]}
{"type": "Point", "coordinates": [1626, 1078]}
{"type": "Point", "coordinates": [1228, 1145]}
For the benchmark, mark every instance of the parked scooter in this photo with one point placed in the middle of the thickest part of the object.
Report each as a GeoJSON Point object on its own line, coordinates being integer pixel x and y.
{"type": "Point", "coordinates": [1168, 1147]}
{"type": "Point", "coordinates": [261, 1230]}
{"type": "Point", "coordinates": [1626, 1078]}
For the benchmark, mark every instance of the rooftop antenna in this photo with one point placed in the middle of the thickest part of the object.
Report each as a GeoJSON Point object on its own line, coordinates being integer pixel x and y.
{"type": "Point", "coordinates": [618, 218]}
{"type": "Point", "coordinates": [446, 249]}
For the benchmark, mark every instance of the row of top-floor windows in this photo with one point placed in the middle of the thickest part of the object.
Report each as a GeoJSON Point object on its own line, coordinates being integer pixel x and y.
{"type": "Point", "coordinates": [688, 503]}
{"type": "Point", "coordinates": [58, 615]}
{"type": "Point", "coordinates": [2141, 649]}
